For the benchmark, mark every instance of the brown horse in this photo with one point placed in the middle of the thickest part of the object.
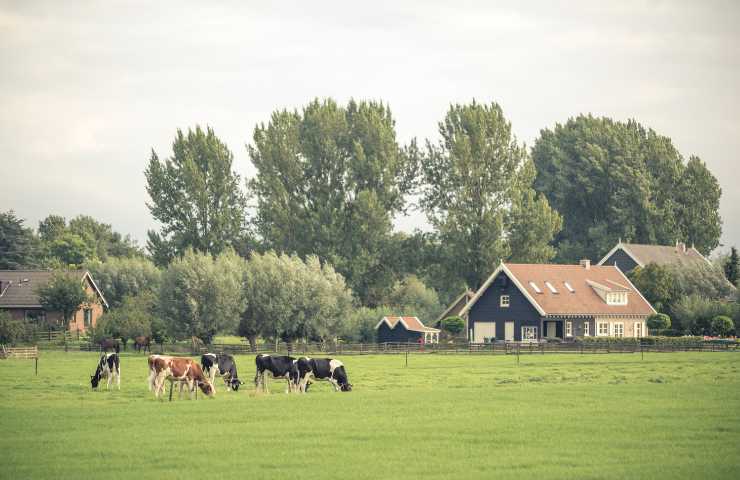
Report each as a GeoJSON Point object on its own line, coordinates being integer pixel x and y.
{"type": "Point", "coordinates": [109, 344]}
{"type": "Point", "coordinates": [143, 343]}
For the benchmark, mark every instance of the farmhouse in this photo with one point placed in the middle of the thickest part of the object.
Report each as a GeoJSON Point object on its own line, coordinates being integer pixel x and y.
{"type": "Point", "coordinates": [18, 297]}
{"type": "Point", "coordinates": [405, 329]}
{"type": "Point", "coordinates": [530, 302]}
{"type": "Point", "coordinates": [627, 256]}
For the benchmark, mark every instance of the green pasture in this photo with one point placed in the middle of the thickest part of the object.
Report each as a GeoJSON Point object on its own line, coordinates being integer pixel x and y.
{"type": "Point", "coordinates": [554, 416]}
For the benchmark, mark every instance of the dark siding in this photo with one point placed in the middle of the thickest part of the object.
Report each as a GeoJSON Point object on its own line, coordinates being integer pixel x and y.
{"type": "Point", "coordinates": [520, 311]}
{"type": "Point", "coordinates": [623, 261]}
{"type": "Point", "coordinates": [397, 334]}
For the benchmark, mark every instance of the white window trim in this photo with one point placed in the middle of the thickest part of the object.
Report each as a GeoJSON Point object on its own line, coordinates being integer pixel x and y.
{"type": "Point", "coordinates": [535, 287]}
{"type": "Point", "coordinates": [550, 287]}
{"type": "Point", "coordinates": [570, 289]}
{"type": "Point", "coordinates": [586, 329]}
{"type": "Point", "coordinates": [534, 330]}
{"type": "Point", "coordinates": [614, 329]}
{"type": "Point", "coordinates": [598, 329]}
{"type": "Point", "coordinates": [568, 329]}
{"type": "Point", "coordinates": [642, 330]}
{"type": "Point", "coordinates": [504, 301]}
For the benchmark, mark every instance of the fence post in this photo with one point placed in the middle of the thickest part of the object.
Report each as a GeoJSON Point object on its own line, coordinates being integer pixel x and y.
{"type": "Point", "coordinates": [517, 354]}
{"type": "Point", "coordinates": [407, 354]}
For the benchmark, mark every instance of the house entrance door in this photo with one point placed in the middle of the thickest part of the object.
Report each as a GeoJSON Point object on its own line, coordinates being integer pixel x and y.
{"type": "Point", "coordinates": [509, 332]}
{"type": "Point", "coordinates": [552, 330]}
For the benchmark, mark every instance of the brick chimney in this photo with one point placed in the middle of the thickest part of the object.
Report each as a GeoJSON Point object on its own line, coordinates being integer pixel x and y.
{"type": "Point", "coordinates": [680, 247]}
{"type": "Point", "coordinates": [586, 263]}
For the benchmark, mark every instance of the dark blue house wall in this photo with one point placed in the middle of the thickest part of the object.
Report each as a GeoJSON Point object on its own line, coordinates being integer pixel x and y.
{"type": "Point", "coordinates": [519, 311]}
{"type": "Point", "coordinates": [623, 261]}
{"type": "Point", "coordinates": [397, 334]}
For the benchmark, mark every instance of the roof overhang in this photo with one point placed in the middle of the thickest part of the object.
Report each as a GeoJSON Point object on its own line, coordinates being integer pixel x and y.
{"type": "Point", "coordinates": [95, 286]}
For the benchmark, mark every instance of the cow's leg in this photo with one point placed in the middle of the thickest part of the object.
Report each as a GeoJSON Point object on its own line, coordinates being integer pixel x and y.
{"type": "Point", "coordinates": [118, 378]}
{"type": "Point", "coordinates": [109, 378]}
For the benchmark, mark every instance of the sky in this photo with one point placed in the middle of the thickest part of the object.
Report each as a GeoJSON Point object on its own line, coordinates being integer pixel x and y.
{"type": "Point", "coordinates": [88, 89]}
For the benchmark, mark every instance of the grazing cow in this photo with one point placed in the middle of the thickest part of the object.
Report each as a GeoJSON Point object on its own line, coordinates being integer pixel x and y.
{"type": "Point", "coordinates": [109, 367]}
{"type": "Point", "coordinates": [181, 370]}
{"type": "Point", "coordinates": [143, 343]}
{"type": "Point", "coordinates": [153, 371]}
{"type": "Point", "coordinates": [328, 369]}
{"type": "Point", "coordinates": [278, 367]}
{"type": "Point", "coordinates": [223, 365]}
{"type": "Point", "coordinates": [109, 344]}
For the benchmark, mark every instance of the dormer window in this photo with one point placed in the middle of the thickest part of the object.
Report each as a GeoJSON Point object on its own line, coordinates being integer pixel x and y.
{"type": "Point", "coordinates": [550, 287]}
{"type": "Point", "coordinates": [535, 287]}
{"type": "Point", "coordinates": [616, 298]}
{"type": "Point", "coordinates": [570, 289]}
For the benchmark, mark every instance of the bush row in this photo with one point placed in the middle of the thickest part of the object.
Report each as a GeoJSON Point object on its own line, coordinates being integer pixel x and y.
{"type": "Point", "coordinates": [658, 340]}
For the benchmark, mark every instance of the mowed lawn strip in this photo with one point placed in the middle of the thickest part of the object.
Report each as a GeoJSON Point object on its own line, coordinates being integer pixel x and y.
{"type": "Point", "coordinates": [553, 416]}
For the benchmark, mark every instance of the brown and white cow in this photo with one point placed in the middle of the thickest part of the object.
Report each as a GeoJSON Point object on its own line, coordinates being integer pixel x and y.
{"type": "Point", "coordinates": [185, 371]}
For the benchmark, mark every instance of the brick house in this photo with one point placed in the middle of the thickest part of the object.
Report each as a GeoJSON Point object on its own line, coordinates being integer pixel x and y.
{"type": "Point", "coordinates": [18, 297]}
{"type": "Point", "coordinates": [532, 302]}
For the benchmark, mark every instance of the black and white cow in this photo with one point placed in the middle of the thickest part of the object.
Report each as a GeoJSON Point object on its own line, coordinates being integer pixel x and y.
{"type": "Point", "coordinates": [223, 365]}
{"type": "Point", "coordinates": [328, 369]}
{"type": "Point", "coordinates": [278, 367]}
{"type": "Point", "coordinates": [109, 367]}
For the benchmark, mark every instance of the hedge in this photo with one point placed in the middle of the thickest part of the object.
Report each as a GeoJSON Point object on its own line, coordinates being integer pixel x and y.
{"type": "Point", "coordinates": [637, 341]}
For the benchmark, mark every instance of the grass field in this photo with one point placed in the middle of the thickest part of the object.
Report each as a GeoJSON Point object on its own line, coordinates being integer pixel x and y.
{"type": "Point", "coordinates": [554, 416]}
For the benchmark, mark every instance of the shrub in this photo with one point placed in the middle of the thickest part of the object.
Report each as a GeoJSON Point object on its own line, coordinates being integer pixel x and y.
{"type": "Point", "coordinates": [453, 325]}
{"type": "Point", "coordinates": [722, 325]}
{"type": "Point", "coordinates": [10, 330]}
{"type": "Point", "coordinates": [659, 322]}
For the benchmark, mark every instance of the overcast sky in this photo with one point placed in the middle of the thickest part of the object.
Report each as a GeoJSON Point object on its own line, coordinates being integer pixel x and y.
{"type": "Point", "coordinates": [88, 89]}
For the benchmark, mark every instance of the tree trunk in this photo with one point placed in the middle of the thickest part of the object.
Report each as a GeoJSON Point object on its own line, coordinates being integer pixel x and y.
{"type": "Point", "coordinates": [252, 339]}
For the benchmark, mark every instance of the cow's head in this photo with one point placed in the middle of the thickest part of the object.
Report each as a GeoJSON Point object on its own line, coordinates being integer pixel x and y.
{"type": "Point", "coordinates": [346, 387]}
{"type": "Point", "coordinates": [95, 380]}
{"type": "Point", "coordinates": [235, 383]}
{"type": "Point", "coordinates": [207, 388]}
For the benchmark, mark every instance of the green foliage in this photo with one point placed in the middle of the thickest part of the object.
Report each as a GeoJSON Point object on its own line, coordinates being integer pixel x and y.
{"type": "Point", "coordinates": [656, 284]}
{"type": "Point", "coordinates": [731, 267]}
{"type": "Point", "coordinates": [694, 314]}
{"type": "Point", "coordinates": [83, 240]}
{"type": "Point", "coordinates": [329, 180]}
{"type": "Point", "coordinates": [64, 293]}
{"type": "Point", "coordinates": [453, 325]}
{"type": "Point", "coordinates": [612, 179]}
{"type": "Point", "coordinates": [126, 276]}
{"type": "Point", "coordinates": [658, 322]}
{"type": "Point", "coordinates": [201, 296]}
{"type": "Point", "coordinates": [360, 326]}
{"type": "Point", "coordinates": [18, 246]}
{"type": "Point", "coordinates": [196, 197]}
{"type": "Point", "coordinates": [133, 317]}
{"type": "Point", "coordinates": [704, 280]}
{"type": "Point", "coordinates": [290, 299]}
{"type": "Point", "coordinates": [10, 330]}
{"type": "Point", "coordinates": [477, 195]}
{"type": "Point", "coordinates": [722, 326]}
{"type": "Point", "coordinates": [410, 297]}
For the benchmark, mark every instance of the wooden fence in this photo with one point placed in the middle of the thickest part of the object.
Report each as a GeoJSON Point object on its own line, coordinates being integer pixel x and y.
{"type": "Point", "coordinates": [498, 348]}
{"type": "Point", "coordinates": [27, 353]}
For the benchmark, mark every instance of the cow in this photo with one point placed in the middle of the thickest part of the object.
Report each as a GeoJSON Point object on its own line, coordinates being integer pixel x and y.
{"type": "Point", "coordinates": [182, 370]}
{"type": "Point", "coordinates": [278, 367]}
{"type": "Point", "coordinates": [328, 369]}
{"type": "Point", "coordinates": [223, 365]}
{"type": "Point", "coordinates": [143, 343]}
{"type": "Point", "coordinates": [153, 371]}
{"type": "Point", "coordinates": [109, 367]}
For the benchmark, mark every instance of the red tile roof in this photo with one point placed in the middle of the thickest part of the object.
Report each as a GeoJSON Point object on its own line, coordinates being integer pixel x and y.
{"type": "Point", "coordinates": [583, 300]}
{"type": "Point", "coordinates": [410, 323]}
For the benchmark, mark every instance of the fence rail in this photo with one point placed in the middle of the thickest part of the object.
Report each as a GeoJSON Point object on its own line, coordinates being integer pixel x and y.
{"type": "Point", "coordinates": [498, 348]}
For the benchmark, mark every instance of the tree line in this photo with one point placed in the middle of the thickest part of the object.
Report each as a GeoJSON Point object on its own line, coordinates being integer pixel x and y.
{"type": "Point", "coordinates": [330, 180]}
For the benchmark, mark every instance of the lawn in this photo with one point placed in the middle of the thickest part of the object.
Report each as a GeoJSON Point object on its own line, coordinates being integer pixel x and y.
{"type": "Point", "coordinates": [553, 416]}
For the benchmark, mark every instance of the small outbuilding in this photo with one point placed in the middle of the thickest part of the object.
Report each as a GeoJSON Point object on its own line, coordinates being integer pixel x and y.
{"type": "Point", "coordinates": [405, 329]}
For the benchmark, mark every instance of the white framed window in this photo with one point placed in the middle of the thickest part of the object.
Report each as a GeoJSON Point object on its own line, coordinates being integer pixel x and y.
{"type": "Point", "coordinates": [570, 289]}
{"type": "Point", "coordinates": [616, 298]}
{"type": "Point", "coordinates": [529, 334]}
{"type": "Point", "coordinates": [586, 329]}
{"type": "Point", "coordinates": [618, 329]}
{"type": "Point", "coordinates": [535, 287]}
{"type": "Point", "coordinates": [550, 287]}
{"type": "Point", "coordinates": [602, 329]}
{"type": "Point", "coordinates": [638, 330]}
{"type": "Point", "coordinates": [504, 301]}
{"type": "Point", "coordinates": [568, 329]}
